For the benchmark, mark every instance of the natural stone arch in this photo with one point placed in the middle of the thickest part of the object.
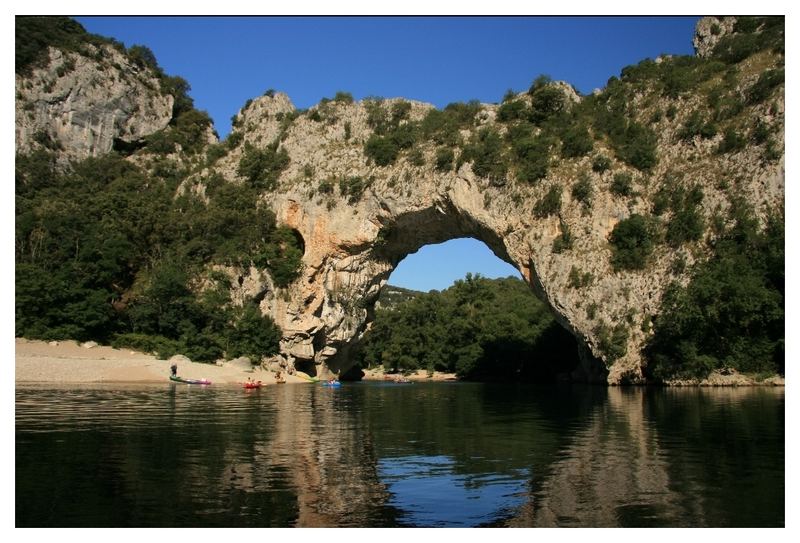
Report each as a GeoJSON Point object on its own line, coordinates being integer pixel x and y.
{"type": "Point", "coordinates": [358, 219]}
{"type": "Point", "coordinates": [351, 250]}
{"type": "Point", "coordinates": [353, 241]}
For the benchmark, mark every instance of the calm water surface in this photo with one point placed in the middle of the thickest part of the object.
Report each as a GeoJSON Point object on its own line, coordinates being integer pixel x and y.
{"type": "Point", "coordinates": [375, 454]}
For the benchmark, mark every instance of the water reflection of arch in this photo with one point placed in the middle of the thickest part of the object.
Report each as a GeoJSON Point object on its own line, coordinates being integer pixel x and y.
{"type": "Point", "coordinates": [610, 463]}
{"type": "Point", "coordinates": [626, 466]}
{"type": "Point", "coordinates": [317, 438]}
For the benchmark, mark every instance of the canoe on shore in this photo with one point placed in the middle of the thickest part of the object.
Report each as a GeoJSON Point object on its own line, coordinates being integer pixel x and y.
{"type": "Point", "coordinates": [176, 379]}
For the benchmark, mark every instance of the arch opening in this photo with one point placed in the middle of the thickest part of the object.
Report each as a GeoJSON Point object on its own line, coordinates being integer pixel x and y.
{"type": "Point", "coordinates": [459, 307]}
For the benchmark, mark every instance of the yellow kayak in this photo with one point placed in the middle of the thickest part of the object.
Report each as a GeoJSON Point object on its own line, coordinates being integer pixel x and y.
{"type": "Point", "coordinates": [306, 376]}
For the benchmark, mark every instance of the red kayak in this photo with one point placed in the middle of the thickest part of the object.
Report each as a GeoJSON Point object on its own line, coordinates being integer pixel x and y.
{"type": "Point", "coordinates": [256, 384]}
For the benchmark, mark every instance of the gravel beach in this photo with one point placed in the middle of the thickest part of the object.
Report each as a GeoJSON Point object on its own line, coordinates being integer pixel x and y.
{"type": "Point", "coordinates": [71, 362]}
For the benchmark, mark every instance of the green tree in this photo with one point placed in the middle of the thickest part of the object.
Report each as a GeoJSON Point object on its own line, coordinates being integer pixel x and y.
{"type": "Point", "coordinates": [531, 154]}
{"type": "Point", "coordinates": [444, 160]}
{"type": "Point", "coordinates": [252, 334]}
{"type": "Point", "coordinates": [479, 328]}
{"type": "Point", "coordinates": [731, 313]}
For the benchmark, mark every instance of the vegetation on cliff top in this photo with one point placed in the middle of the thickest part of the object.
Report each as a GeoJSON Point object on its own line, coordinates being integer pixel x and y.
{"type": "Point", "coordinates": [33, 36]}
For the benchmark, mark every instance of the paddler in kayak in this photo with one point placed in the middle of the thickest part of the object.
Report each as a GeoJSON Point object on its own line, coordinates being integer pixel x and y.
{"type": "Point", "coordinates": [174, 370]}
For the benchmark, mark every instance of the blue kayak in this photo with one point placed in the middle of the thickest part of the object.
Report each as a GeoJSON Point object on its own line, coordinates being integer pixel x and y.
{"type": "Point", "coordinates": [329, 384]}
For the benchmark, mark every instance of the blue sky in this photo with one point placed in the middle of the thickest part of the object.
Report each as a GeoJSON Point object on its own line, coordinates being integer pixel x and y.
{"type": "Point", "coordinates": [438, 60]}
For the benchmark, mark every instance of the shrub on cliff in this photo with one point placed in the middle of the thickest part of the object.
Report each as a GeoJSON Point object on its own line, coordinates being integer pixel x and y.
{"type": "Point", "coordinates": [622, 184]}
{"type": "Point", "coordinates": [681, 74]}
{"type": "Point", "coordinates": [550, 203]}
{"type": "Point", "coordinates": [353, 187]}
{"type": "Point", "coordinates": [282, 255]}
{"type": "Point", "coordinates": [578, 279]}
{"type": "Point", "coordinates": [189, 131]}
{"type": "Point", "coordinates": [142, 56]}
{"type": "Point", "coordinates": [613, 342]}
{"type": "Point", "coordinates": [632, 242]}
{"type": "Point", "coordinates": [400, 111]}
{"type": "Point", "coordinates": [564, 241]}
{"type": "Point", "coordinates": [600, 163]}
{"type": "Point", "coordinates": [511, 110]}
{"type": "Point", "coordinates": [444, 160]}
{"type": "Point", "coordinates": [547, 100]}
{"type": "Point", "coordinates": [637, 146]}
{"type": "Point", "coordinates": [751, 35]}
{"type": "Point", "coordinates": [383, 150]}
{"type": "Point", "coordinates": [576, 141]}
{"type": "Point", "coordinates": [33, 35]}
{"type": "Point", "coordinates": [443, 126]}
{"type": "Point", "coordinates": [762, 88]}
{"type": "Point", "coordinates": [686, 223]}
{"type": "Point", "coordinates": [485, 151]}
{"type": "Point", "coordinates": [343, 97]}
{"type": "Point", "coordinates": [610, 113]}
{"type": "Point", "coordinates": [531, 153]}
{"type": "Point", "coordinates": [731, 142]}
{"type": "Point", "coordinates": [582, 191]}
{"type": "Point", "coordinates": [262, 167]}
{"type": "Point", "coordinates": [696, 125]}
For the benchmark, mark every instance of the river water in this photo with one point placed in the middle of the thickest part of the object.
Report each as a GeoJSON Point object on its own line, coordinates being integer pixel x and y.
{"type": "Point", "coordinates": [380, 454]}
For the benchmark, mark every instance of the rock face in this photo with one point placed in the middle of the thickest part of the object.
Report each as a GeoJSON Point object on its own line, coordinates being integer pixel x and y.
{"type": "Point", "coordinates": [353, 239]}
{"type": "Point", "coordinates": [708, 33]}
{"type": "Point", "coordinates": [81, 104]}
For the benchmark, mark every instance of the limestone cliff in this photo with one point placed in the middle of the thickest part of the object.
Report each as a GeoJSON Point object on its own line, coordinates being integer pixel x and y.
{"type": "Point", "coordinates": [81, 103]}
{"type": "Point", "coordinates": [359, 216]}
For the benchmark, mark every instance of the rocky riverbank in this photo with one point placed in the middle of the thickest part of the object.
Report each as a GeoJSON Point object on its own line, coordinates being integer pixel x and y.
{"type": "Point", "coordinates": [730, 378]}
{"type": "Point", "coordinates": [417, 376]}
